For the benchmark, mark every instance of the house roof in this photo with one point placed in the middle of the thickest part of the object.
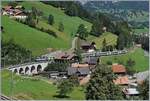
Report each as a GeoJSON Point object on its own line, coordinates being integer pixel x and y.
{"type": "Point", "coordinates": [17, 11]}
{"type": "Point", "coordinates": [76, 65]}
{"type": "Point", "coordinates": [65, 55]}
{"type": "Point", "coordinates": [85, 43]}
{"type": "Point", "coordinates": [82, 69]}
{"type": "Point", "coordinates": [118, 68]}
{"type": "Point", "coordinates": [121, 80]}
{"type": "Point", "coordinates": [8, 7]}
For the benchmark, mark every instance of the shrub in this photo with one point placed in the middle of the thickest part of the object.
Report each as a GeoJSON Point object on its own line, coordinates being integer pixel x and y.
{"type": "Point", "coordinates": [109, 62]}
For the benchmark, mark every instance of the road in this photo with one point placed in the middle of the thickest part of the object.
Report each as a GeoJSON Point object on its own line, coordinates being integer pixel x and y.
{"type": "Point", "coordinates": [74, 43]}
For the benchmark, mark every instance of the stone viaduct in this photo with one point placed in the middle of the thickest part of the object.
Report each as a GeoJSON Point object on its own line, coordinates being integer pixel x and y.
{"type": "Point", "coordinates": [28, 68]}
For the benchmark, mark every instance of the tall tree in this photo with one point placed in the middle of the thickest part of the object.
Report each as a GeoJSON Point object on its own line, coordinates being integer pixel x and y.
{"type": "Point", "coordinates": [144, 90]}
{"type": "Point", "coordinates": [129, 65]}
{"type": "Point", "coordinates": [61, 27]}
{"type": "Point", "coordinates": [104, 45]}
{"type": "Point", "coordinates": [64, 88]}
{"type": "Point", "coordinates": [51, 19]}
{"type": "Point", "coordinates": [34, 13]}
{"type": "Point", "coordinates": [101, 86]}
{"type": "Point", "coordinates": [82, 32]}
{"type": "Point", "coordinates": [120, 42]}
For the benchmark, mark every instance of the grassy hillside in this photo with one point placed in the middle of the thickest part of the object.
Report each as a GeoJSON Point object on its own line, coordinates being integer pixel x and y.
{"type": "Point", "coordinates": [30, 38]}
{"type": "Point", "coordinates": [141, 61]}
{"type": "Point", "coordinates": [38, 41]}
{"type": "Point", "coordinates": [109, 37]}
{"type": "Point", "coordinates": [28, 89]}
{"type": "Point", "coordinates": [70, 23]}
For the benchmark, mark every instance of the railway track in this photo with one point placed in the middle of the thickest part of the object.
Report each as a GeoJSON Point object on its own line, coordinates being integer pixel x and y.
{"type": "Point", "coordinates": [4, 97]}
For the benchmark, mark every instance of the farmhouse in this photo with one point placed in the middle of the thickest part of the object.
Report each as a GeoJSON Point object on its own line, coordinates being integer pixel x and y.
{"type": "Point", "coordinates": [16, 12]}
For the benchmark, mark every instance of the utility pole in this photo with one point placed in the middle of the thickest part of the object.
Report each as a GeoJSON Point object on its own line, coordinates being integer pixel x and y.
{"type": "Point", "coordinates": [11, 86]}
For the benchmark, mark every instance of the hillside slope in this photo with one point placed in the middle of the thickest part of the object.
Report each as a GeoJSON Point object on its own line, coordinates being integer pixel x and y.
{"type": "Point", "coordinates": [70, 23]}
{"type": "Point", "coordinates": [110, 38]}
{"type": "Point", "coordinates": [38, 41]}
{"type": "Point", "coordinates": [30, 38]}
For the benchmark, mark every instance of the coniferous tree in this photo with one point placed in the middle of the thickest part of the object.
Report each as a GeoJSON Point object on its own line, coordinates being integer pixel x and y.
{"type": "Point", "coordinates": [120, 42]}
{"type": "Point", "coordinates": [51, 19]}
{"type": "Point", "coordinates": [101, 85]}
{"type": "Point", "coordinates": [64, 87]}
{"type": "Point", "coordinates": [82, 32]}
{"type": "Point", "coordinates": [104, 45]}
{"type": "Point", "coordinates": [61, 27]}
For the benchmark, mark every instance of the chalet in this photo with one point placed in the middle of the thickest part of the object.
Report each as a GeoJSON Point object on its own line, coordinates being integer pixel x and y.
{"type": "Point", "coordinates": [79, 69]}
{"type": "Point", "coordinates": [66, 56]}
{"type": "Point", "coordinates": [88, 47]}
{"type": "Point", "coordinates": [118, 69]}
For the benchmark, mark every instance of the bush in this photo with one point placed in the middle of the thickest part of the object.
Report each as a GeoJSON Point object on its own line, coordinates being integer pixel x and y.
{"type": "Point", "coordinates": [50, 32]}
{"type": "Point", "coordinates": [109, 62]}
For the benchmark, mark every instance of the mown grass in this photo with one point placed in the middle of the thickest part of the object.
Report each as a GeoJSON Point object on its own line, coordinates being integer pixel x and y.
{"type": "Point", "coordinates": [108, 36]}
{"type": "Point", "coordinates": [141, 61]}
{"type": "Point", "coordinates": [27, 88]}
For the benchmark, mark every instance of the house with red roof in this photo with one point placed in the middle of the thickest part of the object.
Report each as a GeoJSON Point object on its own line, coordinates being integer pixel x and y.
{"type": "Point", "coordinates": [118, 69]}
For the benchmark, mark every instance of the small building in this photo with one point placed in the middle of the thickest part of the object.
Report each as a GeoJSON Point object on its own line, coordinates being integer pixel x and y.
{"type": "Point", "coordinates": [118, 69]}
{"type": "Point", "coordinates": [91, 60]}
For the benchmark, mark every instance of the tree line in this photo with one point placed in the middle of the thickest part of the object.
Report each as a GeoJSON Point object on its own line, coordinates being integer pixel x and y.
{"type": "Point", "coordinates": [14, 54]}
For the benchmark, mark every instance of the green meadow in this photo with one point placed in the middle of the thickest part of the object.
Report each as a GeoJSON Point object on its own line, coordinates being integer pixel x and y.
{"type": "Point", "coordinates": [141, 61]}
{"type": "Point", "coordinates": [29, 89]}
{"type": "Point", "coordinates": [110, 38]}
